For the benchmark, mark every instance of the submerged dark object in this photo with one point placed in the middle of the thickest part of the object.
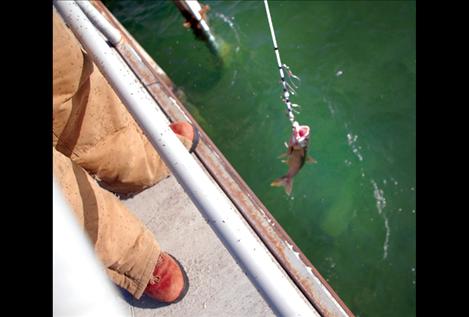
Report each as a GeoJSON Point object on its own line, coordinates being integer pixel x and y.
{"type": "Point", "coordinates": [196, 19]}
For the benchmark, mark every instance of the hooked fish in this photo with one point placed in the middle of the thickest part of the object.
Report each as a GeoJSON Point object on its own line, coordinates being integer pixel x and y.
{"type": "Point", "coordinates": [296, 156]}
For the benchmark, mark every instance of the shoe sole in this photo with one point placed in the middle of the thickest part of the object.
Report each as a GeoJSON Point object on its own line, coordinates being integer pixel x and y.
{"type": "Point", "coordinates": [185, 278]}
{"type": "Point", "coordinates": [196, 139]}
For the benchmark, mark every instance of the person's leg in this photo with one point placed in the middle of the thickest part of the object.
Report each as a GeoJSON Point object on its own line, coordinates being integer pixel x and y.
{"type": "Point", "coordinates": [93, 127]}
{"type": "Point", "coordinates": [125, 246]}
{"type": "Point", "coordinates": [127, 249]}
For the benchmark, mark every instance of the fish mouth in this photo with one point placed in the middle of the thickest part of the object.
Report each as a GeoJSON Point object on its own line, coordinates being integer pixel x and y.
{"type": "Point", "coordinates": [300, 134]}
{"type": "Point", "coordinates": [303, 132]}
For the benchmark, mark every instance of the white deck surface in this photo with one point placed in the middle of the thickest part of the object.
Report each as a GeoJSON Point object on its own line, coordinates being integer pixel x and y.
{"type": "Point", "coordinates": [218, 287]}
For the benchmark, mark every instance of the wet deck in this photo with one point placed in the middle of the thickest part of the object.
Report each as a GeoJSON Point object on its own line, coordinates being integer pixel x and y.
{"type": "Point", "coordinates": [218, 287]}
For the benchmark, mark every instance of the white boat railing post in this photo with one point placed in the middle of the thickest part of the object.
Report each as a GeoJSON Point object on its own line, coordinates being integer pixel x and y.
{"type": "Point", "coordinates": [103, 25]}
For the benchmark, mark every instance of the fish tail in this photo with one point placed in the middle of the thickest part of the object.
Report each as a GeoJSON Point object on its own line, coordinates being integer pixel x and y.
{"type": "Point", "coordinates": [284, 181]}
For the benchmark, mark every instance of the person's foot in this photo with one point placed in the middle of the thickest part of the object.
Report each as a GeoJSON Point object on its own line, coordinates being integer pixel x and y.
{"type": "Point", "coordinates": [187, 131]}
{"type": "Point", "coordinates": [169, 282]}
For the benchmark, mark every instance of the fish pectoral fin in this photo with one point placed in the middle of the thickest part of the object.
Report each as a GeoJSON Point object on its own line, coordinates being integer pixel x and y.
{"type": "Point", "coordinates": [310, 159]}
{"type": "Point", "coordinates": [283, 155]}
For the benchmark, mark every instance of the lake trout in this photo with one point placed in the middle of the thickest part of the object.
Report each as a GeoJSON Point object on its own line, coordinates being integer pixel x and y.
{"type": "Point", "coordinates": [296, 156]}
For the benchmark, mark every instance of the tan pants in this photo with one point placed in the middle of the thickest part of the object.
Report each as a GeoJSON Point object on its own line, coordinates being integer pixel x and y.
{"type": "Point", "coordinates": [93, 131]}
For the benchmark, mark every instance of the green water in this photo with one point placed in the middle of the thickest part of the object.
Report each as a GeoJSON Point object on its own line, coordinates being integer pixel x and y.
{"type": "Point", "coordinates": [353, 213]}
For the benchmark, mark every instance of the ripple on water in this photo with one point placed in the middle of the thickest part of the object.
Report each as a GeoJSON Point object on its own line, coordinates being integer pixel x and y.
{"type": "Point", "coordinates": [352, 142]}
{"type": "Point", "coordinates": [380, 205]}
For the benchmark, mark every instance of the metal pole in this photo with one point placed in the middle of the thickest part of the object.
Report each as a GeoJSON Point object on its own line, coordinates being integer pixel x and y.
{"type": "Point", "coordinates": [193, 8]}
{"type": "Point", "coordinates": [103, 25]}
{"type": "Point", "coordinates": [259, 265]}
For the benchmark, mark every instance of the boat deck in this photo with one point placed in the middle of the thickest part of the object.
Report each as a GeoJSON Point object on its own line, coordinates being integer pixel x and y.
{"type": "Point", "coordinates": [218, 287]}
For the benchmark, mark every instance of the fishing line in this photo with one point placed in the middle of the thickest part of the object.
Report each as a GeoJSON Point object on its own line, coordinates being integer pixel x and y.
{"type": "Point", "coordinates": [281, 67]}
{"type": "Point", "coordinates": [298, 143]}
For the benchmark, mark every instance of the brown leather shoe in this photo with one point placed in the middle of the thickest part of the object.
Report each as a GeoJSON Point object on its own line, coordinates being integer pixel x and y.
{"type": "Point", "coordinates": [169, 282]}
